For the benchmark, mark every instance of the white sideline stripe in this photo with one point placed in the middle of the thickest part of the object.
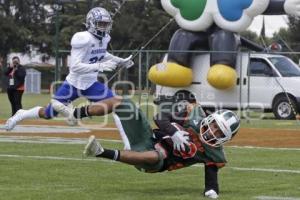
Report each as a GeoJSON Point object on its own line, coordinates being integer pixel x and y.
{"type": "Point", "coordinates": [46, 129]}
{"type": "Point", "coordinates": [48, 140]}
{"type": "Point", "coordinates": [264, 148]}
{"type": "Point", "coordinates": [266, 170]}
{"type": "Point", "coordinates": [105, 160]}
{"type": "Point", "coordinates": [82, 127]}
{"type": "Point", "coordinates": [61, 140]}
{"type": "Point", "coordinates": [56, 158]}
{"type": "Point", "coordinates": [275, 198]}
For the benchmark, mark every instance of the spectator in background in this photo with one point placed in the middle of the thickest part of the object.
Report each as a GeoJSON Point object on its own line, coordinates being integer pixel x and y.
{"type": "Point", "coordinates": [1, 73]}
{"type": "Point", "coordinates": [15, 86]}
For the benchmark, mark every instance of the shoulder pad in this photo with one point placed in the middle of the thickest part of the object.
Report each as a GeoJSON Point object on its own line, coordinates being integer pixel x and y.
{"type": "Point", "coordinates": [80, 39]}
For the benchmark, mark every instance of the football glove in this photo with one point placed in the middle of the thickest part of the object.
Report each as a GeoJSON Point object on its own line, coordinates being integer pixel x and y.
{"type": "Point", "coordinates": [107, 66]}
{"type": "Point", "coordinates": [180, 139]}
{"type": "Point", "coordinates": [126, 62]}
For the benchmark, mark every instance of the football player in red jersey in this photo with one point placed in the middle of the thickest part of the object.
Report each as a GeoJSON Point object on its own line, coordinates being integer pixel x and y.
{"type": "Point", "coordinates": [183, 138]}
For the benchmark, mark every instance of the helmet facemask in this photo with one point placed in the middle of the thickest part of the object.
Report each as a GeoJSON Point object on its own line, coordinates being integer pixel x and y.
{"type": "Point", "coordinates": [219, 127]}
{"type": "Point", "coordinates": [98, 22]}
{"type": "Point", "coordinates": [103, 26]}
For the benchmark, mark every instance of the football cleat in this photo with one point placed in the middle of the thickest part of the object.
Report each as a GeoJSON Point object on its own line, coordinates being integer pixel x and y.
{"type": "Point", "coordinates": [93, 148]}
{"type": "Point", "coordinates": [14, 120]}
{"type": "Point", "coordinates": [211, 194]}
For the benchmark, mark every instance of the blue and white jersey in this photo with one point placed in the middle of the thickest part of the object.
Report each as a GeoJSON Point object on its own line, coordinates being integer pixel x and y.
{"type": "Point", "coordinates": [86, 54]}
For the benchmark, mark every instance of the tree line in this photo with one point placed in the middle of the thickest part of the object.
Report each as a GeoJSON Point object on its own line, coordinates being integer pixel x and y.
{"type": "Point", "coordinates": [27, 23]}
{"type": "Point", "coordinates": [35, 22]}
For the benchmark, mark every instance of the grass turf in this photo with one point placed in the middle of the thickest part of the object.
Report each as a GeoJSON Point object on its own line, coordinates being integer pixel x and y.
{"type": "Point", "coordinates": [31, 100]}
{"type": "Point", "coordinates": [52, 171]}
{"type": "Point", "coordinates": [57, 171]}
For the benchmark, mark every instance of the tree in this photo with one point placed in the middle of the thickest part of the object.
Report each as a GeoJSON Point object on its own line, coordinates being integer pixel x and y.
{"type": "Point", "coordinates": [33, 22]}
{"type": "Point", "coordinates": [250, 35]}
{"type": "Point", "coordinates": [138, 22]}
{"type": "Point", "coordinates": [283, 37]}
{"type": "Point", "coordinates": [294, 28]}
{"type": "Point", "coordinates": [137, 27]}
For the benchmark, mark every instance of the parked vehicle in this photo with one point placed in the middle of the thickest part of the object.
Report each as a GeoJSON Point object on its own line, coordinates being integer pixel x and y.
{"type": "Point", "coordinates": [265, 81]}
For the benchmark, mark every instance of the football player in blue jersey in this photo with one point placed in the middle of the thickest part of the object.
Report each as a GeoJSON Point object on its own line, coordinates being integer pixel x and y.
{"type": "Point", "coordinates": [89, 56]}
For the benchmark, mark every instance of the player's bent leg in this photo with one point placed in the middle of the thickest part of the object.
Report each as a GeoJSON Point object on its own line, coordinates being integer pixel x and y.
{"type": "Point", "coordinates": [139, 158]}
{"type": "Point", "coordinates": [94, 148]}
{"type": "Point", "coordinates": [99, 108]}
{"type": "Point", "coordinates": [148, 161]}
{"type": "Point", "coordinates": [104, 107]}
{"type": "Point", "coordinates": [21, 115]}
{"type": "Point", "coordinates": [102, 98]}
{"type": "Point", "coordinates": [139, 134]}
{"type": "Point", "coordinates": [65, 94]}
{"type": "Point", "coordinates": [48, 112]}
{"type": "Point", "coordinates": [65, 110]}
{"type": "Point", "coordinates": [135, 125]}
{"type": "Point", "coordinates": [61, 108]}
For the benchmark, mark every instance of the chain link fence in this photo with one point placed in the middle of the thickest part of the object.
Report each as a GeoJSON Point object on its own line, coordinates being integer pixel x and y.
{"type": "Point", "coordinates": [266, 81]}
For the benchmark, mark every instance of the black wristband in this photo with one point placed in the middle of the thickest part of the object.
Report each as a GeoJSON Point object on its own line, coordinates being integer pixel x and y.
{"type": "Point", "coordinates": [81, 112]}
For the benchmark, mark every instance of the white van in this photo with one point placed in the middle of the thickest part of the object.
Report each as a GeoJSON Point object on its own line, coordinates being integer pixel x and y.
{"type": "Point", "coordinates": [265, 81]}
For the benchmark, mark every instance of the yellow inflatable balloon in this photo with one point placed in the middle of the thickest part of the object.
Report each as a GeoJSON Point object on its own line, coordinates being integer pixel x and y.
{"type": "Point", "coordinates": [170, 74]}
{"type": "Point", "coordinates": [221, 76]}
{"type": "Point", "coordinates": [213, 25]}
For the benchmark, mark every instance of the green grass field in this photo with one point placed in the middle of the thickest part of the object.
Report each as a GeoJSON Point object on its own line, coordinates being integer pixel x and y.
{"type": "Point", "coordinates": [58, 171]}
{"type": "Point", "coordinates": [32, 100]}
{"type": "Point", "coordinates": [34, 169]}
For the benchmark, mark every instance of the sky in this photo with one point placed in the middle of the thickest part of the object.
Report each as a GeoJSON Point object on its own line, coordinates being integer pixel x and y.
{"type": "Point", "coordinates": [273, 24]}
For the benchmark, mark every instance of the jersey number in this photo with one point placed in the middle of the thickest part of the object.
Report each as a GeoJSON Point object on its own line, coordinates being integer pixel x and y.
{"type": "Point", "coordinates": [190, 153]}
{"type": "Point", "coordinates": [95, 59]}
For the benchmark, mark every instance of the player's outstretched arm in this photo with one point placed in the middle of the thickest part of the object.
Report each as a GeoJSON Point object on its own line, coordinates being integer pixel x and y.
{"type": "Point", "coordinates": [123, 62]}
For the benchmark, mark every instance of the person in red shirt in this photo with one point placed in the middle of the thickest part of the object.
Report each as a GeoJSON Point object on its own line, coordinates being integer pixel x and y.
{"type": "Point", "coordinates": [15, 73]}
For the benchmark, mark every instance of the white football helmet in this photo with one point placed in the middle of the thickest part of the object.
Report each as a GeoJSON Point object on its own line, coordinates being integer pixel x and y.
{"type": "Point", "coordinates": [219, 127]}
{"type": "Point", "coordinates": [98, 22]}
